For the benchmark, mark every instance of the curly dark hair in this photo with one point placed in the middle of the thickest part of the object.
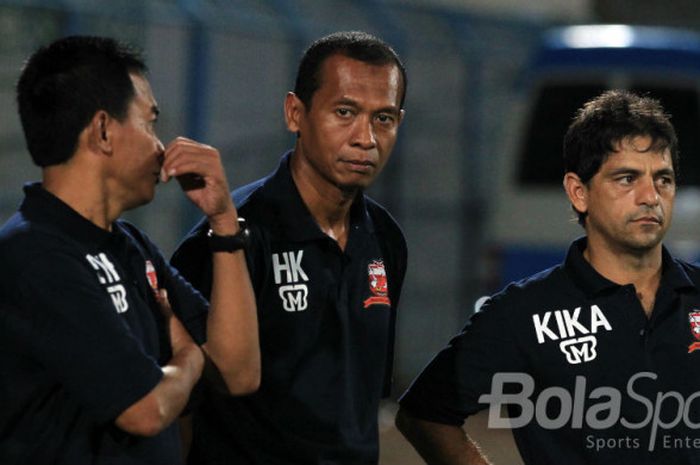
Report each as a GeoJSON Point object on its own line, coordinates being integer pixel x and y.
{"type": "Point", "coordinates": [603, 122]}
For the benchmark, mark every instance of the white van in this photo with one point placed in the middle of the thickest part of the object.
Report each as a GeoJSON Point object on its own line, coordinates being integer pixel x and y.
{"type": "Point", "coordinates": [532, 221]}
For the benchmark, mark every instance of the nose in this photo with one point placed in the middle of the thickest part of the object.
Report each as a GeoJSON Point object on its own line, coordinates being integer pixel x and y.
{"type": "Point", "coordinates": [648, 193]}
{"type": "Point", "coordinates": [363, 133]}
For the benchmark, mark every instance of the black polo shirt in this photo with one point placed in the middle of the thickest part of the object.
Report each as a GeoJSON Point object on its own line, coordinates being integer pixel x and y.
{"type": "Point", "coordinates": [81, 336]}
{"type": "Point", "coordinates": [326, 332]}
{"type": "Point", "coordinates": [587, 377]}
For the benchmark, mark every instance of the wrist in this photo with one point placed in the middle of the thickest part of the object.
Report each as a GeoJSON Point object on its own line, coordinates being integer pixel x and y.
{"type": "Point", "coordinates": [225, 224]}
{"type": "Point", "coordinates": [190, 357]}
{"type": "Point", "coordinates": [229, 242]}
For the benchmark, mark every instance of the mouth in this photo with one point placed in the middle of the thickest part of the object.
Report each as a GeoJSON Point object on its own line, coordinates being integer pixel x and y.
{"type": "Point", "coordinates": [650, 219]}
{"type": "Point", "coordinates": [361, 166]}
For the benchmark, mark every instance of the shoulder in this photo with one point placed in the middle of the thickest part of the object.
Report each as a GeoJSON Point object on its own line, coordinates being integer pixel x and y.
{"type": "Point", "coordinates": [381, 215]}
{"type": "Point", "coordinates": [692, 270]}
{"type": "Point", "coordinates": [22, 240]}
{"type": "Point", "coordinates": [531, 294]}
{"type": "Point", "coordinates": [135, 234]}
{"type": "Point", "coordinates": [257, 202]}
{"type": "Point", "coordinates": [248, 194]}
{"type": "Point", "coordinates": [38, 262]}
{"type": "Point", "coordinates": [385, 224]}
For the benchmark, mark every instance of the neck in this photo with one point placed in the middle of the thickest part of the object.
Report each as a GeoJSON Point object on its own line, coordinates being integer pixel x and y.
{"type": "Point", "coordinates": [328, 204]}
{"type": "Point", "coordinates": [642, 268]}
{"type": "Point", "coordinates": [82, 191]}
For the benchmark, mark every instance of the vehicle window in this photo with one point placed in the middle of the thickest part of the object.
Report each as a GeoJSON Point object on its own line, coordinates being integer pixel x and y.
{"type": "Point", "coordinates": [540, 162]}
{"type": "Point", "coordinates": [682, 104]}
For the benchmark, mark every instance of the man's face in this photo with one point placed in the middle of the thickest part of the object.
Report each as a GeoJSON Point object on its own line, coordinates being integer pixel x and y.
{"type": "Point", "coordinates": [347, 135]}
{"type": "Point", "coordinates": [630, 199]}
{"type": "Point", "coordinates": [137, 150]}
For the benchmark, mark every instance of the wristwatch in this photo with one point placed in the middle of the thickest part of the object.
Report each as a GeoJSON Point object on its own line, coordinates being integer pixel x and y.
{"type": "Point", "coordinates": [238, 241]}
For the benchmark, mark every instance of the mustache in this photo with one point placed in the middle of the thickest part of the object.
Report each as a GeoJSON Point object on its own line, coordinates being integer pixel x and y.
{"type": "Point", "coordinates": [653, 214]}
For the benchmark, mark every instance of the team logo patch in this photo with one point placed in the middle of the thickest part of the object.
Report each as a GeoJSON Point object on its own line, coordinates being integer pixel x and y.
{"type": "Point", "coordinates": [152, 276]}
{"type": "Point", "coordinates": [694, 320]}
{"type": "Point", "coordinates": [378, 285]}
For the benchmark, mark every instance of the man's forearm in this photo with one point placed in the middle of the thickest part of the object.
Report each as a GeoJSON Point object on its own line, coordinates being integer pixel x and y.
{"type": "Point", "coordinates": [232, 327]}
{"type": "Point", "coordinates": [439, 444]}
{"type": "Point", "coordinates": [160, 407]}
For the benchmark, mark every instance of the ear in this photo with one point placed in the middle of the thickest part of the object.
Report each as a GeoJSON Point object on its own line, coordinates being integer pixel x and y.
{"type": "Point", "coordinates": [577, 191]}
{"type": "Point", "coordinates": [100, 132]}
{"type": "Point", "coordinates": [293, 112]}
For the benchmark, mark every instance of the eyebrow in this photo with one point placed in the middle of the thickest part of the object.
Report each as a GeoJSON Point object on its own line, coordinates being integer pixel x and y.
{"type": "Point", "coordinates": [628, 170]}
{"type": "Point", "coordinates": [350, 102]}
{"type": "Point", "coordinates": [665, 172]}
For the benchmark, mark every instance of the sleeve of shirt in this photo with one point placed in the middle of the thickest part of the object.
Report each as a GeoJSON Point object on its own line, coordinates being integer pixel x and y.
{"type": "Point", "coordinates": [190, 306]}
{"type": "Point", "coordinates": [66, 320]}
{"type": "Point", "coordinates": [395, 252]}
{"type": "Point", "coordinates": [448, 389]}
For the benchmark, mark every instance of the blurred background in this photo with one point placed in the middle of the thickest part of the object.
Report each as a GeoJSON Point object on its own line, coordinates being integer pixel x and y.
{"type": "Point", "coordinates": [475, 177]}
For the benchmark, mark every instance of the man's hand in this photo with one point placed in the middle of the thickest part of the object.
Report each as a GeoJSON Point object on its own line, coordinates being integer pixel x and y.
{"type": "Point", "coordinates": [232, 325]}
{"type": "Point", "coordinates": [199, 170]}
{"type": "Point", "coordinates": [159, 408]}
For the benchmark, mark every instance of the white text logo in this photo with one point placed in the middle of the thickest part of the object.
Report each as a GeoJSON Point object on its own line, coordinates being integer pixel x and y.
{"type": "Point", "coordinates": [288, 274]}
{"type": "Point", "coordinates": [578, 342]}
{"type": "Point", "coordinates": [107, 275]}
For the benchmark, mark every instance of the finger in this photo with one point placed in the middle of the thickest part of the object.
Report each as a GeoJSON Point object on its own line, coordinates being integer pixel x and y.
{"type": "Point", "coordinates": [206, 161]}
{"type": "Point", "coordinates": [196, 166]}
{"type": "Point", "coordinates": [183, 145]}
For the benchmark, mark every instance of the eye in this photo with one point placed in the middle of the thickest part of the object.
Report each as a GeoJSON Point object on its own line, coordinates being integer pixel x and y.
{"type": "Point", "coordinates": [626, 179]}
{"type": "Point", "coordinates": [386, 119]}
{"type": "Point", "coordinates": [343, 112]}
{"type": "Point", "coordinates": [667, 180]}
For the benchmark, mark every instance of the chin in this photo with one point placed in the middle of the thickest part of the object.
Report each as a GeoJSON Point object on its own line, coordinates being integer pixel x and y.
{"type": "Point", "coordinates": [356, 182]}
{"type": "Point", "coordinates": [645, 244]}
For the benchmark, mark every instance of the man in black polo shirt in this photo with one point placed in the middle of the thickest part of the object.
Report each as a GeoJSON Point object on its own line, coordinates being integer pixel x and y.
{"type": "Point", "coordinates": [596, 358]}
{"type": "Point", "coordinates": [101, 341]}
{"type": "Point", "coordinates": [327, 265]}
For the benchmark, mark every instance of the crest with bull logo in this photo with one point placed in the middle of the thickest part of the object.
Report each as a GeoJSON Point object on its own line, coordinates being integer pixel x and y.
{"type": "Point", "coordinates": [378, 284]}
{"type": "Point", "coordinates": [694, 320]}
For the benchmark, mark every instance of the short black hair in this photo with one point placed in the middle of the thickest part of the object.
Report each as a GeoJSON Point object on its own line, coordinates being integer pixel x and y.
{"type": "Point", "coordinates": [357, 45]}
{"type": "Point", "coordinates": [64, 84]}
{"type": "Point", "coordinates": [605, 121]}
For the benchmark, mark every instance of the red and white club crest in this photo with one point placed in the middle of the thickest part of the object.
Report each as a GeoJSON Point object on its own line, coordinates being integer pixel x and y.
{"type": "Point", "coordinates": [694, 320]}
{"type": "Point", "coordinates": [152, 276]}
{"type": "Point", "coordinates": [378, 284]}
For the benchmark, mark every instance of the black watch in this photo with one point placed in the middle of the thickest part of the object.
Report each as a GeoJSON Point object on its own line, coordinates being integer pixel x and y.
{"type": "Point", "coordinates": [238, 241]}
